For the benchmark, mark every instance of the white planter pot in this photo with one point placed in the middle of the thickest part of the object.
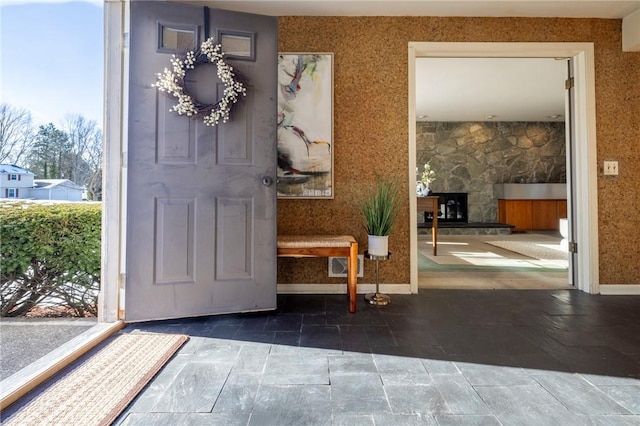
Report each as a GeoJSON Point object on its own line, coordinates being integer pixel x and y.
{"type": "Point", "coordinates": [378, 245]}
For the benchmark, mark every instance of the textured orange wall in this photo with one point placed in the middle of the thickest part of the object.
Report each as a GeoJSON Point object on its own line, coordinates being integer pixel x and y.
{"type": "Point", "coordinates": [371, 129]}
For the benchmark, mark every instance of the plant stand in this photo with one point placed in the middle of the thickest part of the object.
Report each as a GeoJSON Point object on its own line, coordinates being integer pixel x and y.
{"type": "Point", "coordinates": [377, 298]}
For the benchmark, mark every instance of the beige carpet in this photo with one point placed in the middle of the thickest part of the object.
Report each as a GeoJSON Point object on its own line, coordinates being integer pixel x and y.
{"type": "Point", "coordinates": [535, 249]}
{"type": "Point", "coordinates": [97, 390]}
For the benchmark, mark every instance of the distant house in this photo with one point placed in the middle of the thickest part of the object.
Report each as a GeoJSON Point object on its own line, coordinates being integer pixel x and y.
{"type": "Point", "coordinates": [15, 182]}
{"type": "Point", "coordinates": [56, 189]}
{"type": "Point", "coordinates": [19, 183]}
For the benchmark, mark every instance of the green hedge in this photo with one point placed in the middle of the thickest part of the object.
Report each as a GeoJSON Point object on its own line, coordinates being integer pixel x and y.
{"type": "Point", "coordinates": [49, 254]}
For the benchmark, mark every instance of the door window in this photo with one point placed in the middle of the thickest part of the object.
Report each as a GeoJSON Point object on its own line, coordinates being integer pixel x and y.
{"type": "Point", "coordinates": [238, 44]}
{"type": "Point", "coordinates": [175, 38]}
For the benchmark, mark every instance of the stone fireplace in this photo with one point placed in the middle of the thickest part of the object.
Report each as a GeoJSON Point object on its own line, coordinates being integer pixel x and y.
{"type": "Point", "coordinates": [470, 157]}
{"type": "Point", "coordinates": [453, 207]}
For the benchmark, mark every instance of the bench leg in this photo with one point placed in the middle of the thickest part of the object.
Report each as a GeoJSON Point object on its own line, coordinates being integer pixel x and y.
{"type": "Point", "coordinates": [352, 276]}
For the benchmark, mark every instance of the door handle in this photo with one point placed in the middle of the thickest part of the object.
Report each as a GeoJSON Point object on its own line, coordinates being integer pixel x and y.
{"type": "Point", "coordinates": [267, 181]}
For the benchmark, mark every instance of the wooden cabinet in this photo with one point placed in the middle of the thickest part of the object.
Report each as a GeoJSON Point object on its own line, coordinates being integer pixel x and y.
{"type": "Point", "coordinates": [516, 213]}
{"type": "Point", "coordinates": [542, 215]}
{"type": "Point", "coordinates": [562, 209]}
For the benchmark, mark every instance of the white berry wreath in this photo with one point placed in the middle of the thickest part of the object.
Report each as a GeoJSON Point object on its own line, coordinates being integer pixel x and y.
{"type": "Point", "coordinates": [172, 82]}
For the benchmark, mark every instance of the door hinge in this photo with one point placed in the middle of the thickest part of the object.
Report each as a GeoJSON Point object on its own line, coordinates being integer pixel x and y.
{"type": "Point", "coordinates": [573, 247]}
{"type": "Point", "coordinates": [122, 280]}
{"type": "Point", "coordinates": [569, 83]}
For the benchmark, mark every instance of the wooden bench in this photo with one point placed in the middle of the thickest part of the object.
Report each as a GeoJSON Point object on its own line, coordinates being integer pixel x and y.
{"type": "Point", "coordinates": [325, 246]}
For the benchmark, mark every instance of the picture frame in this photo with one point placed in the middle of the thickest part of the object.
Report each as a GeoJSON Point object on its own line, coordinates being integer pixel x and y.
{"type": "Point", "coordinates": [305, 126]}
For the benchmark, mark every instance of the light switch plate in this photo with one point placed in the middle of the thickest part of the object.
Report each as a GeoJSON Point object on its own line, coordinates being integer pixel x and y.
{"type": "Point", "coordinates": [611, 168]}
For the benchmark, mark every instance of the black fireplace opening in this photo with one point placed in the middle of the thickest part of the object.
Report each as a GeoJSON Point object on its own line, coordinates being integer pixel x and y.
{"type": "Point", "coordinates": [453, 207]}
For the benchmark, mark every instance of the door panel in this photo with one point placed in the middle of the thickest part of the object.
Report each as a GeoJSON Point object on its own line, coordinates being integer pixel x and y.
{"type": "Point", "coordinates": [235, 146]}
{"type": "Point", "coordinates": [201, 226]}
{"type": "Point", "coordinates": [234, 239]}
{"type": "Point", "coordinates": [174, 256]}
{"type": "Point", "coordinates": [173, 147]}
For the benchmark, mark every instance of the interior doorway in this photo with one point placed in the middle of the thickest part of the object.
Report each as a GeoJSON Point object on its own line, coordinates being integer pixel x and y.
{"type": "Point", "coordinates": [492, 132]}
{"type": "Point", "coordinates": [582, 180]}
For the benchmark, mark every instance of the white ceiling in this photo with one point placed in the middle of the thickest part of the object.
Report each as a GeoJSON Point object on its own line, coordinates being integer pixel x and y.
{"type": "Point", "coordinates": [470, 89]}
{"type": "Point", "coordinates": [611, 9]}
{"type": "Point", "coordinates": [460, 89]}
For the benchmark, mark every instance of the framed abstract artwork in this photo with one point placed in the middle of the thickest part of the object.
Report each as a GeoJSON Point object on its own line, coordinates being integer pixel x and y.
{"type": "Point", "coordinates": [305, 125]}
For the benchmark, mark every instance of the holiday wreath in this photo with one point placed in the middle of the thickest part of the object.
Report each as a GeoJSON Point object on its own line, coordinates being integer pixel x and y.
{"type": "Point", "coordinates": [172, 82]}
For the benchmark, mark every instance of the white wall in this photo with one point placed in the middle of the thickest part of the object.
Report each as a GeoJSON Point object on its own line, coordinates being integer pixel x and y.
{"type": "Point", "coordinates": [25, 182]}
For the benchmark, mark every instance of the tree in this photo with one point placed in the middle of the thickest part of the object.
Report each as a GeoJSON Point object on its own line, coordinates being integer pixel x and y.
{"type": "Point", "coordinates": [86, 153]}
{"type": "Point", "coordinates": [16, 134]}
{"type": "Point", "coordinates": [73, 152]}
{"type": "Point", "coordinates": [94, 186]}
{"type": "Point", "coordinates": [51, 153]}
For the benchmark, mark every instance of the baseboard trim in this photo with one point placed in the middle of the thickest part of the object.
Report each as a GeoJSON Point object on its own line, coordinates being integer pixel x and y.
{"type": "Point", "coordinates": [341, 288]}
{"type": "Point", "coordinates": [620, 289]}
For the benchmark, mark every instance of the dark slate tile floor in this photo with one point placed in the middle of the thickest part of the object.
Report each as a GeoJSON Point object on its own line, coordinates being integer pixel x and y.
{"type": "Point", "coordinates": [443, 357]}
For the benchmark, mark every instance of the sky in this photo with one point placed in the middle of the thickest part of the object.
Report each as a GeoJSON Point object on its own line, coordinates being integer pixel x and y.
{"type": "Point", "coordinates": [51, 58]}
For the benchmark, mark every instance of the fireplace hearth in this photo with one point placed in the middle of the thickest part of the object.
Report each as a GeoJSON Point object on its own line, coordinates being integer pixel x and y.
{"type": "Point", "coordinates": [453, 207]}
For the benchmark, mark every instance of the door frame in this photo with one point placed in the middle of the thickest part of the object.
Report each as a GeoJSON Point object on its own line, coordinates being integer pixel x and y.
{"type": "Point", "coordinates": [586, 224]}
{"type": "Point", "coordinates": [114, 178]}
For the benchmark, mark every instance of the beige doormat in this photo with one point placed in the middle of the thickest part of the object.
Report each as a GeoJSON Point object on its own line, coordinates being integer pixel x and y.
{"type": "Point", "coordinates": [97, 390]}
{"type": "Point", "coordinates": [541, 250]}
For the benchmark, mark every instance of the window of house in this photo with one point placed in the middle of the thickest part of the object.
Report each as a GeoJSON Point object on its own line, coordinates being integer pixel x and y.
{"type": "Point", "coordinates": [13, 177]}
{"type": "Point", "coordinates": [12, 193]}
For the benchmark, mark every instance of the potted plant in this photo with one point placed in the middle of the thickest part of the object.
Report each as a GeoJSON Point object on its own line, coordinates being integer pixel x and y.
{"type": "Point", "coordinates": [379, 210]}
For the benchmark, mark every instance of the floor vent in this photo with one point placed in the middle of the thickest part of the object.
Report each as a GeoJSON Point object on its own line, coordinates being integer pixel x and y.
{"type": "Point", "coordinates": [338, 266]}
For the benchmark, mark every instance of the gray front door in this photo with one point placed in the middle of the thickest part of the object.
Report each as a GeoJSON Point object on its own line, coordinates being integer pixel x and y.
{"type": "Point", "coordinates": [201, 208]}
